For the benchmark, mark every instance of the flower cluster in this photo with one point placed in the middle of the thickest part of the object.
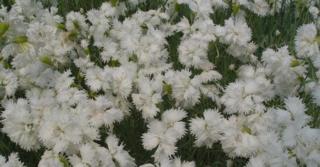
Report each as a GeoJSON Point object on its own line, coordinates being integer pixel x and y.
{"type": "Point", "coordinates": [67, 82]}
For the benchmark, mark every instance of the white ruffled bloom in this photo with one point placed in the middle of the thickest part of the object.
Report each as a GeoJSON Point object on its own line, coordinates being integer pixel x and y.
{"type": "Point", "coordinates": [165, 133]}
{"type": "Point", "coordinates": [187, 91]}
{"type": "Point", "coordinates": [291, 140]}
{"type": "Point", "coordinates": [237, 34]}
{"type": "Point", "coordinates": [91, 154]}
{"type": "Point", "coordinates": [235, 31]}
{"type": "Point", "coordinates": [293, 119]}
{"type": "Point", "coordinates": [285, 70]}
{"type": "Point", "coordinates": [12, 161]}
{"type": "Point", "coordinates": [194, 45]}
{"type": "Point", "coordinates": [306, 41]}
{"type": "Point", "coordinates": [176, 162]}
{"type": "Point", "coordinates": [96, 79]}
{"type": "Point", "coordinates": [203, 7]}
{"type": "Point", "coordinates": [153, 43]}
{"type": "Point", "coordinates": [315, 92]}
{"type": "Point", "coordinates": [260, 7]}
{"type": "Point", "coordinates": [209, 129]}
{"type": "Point", "coordinates": [100, 111]}
{"type": "Point", "coordinates": [128, 33]}
{"type": "Point", "coordinates": [75, 21]}
{"type": "Point", "coordinates": [39, 33]}
{"type": "Point", "coordinates": [62, 130]}
{"type": "Point", "coordinates": [148, 97]}
{"type": "Point", "coordinates": [21, 124]}
{"type": "Point", "coordinates": [241, 135]}
{"type": "Point", "coordinates": [49, 158]}
{"type": "Point", "coordinates": [101, 22]}
{"type": "Point", "coordinates": [121, 80]}
{"type": "Point", "coordinates": [9, 82]}
{"type": "Point", "coordinates": [247, 94]}
{"type": "Point", "coordinates": [273, 153]}
{"type": "Point", "coordinates": [118, 154]}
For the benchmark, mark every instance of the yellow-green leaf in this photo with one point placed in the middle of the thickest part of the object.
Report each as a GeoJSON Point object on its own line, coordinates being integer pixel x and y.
{"type": "Point", "coordinates": [114, 63]}
{"type": "Point", "coordinates": [245, 129]}
{"type": "Point", "coordinates": [64, 161]}
{"type": "Point", "coordinates": [294, 63]}
{"type": "Point", "coordinates": [235, 8]}
{"type": "Point", "coordinates": [46, 60]}
{"type": "Point", "coordinates": [20, 39]}
{"type": "Point", "coordinates": [3, 28]}
{"type": "Point", "coordinates": [114, 2]}
{"type": "Point", "coordinates": [167, 88]}
{"type": "Point", "coordinates": [61, 26]}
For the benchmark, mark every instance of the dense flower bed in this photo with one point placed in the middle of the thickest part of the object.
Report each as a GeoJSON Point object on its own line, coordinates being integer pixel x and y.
{"type": "Point", "coordinates": [67, 81]}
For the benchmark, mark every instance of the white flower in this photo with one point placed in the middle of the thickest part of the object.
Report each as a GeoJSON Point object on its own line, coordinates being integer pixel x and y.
{"type": "Point", "coordinates": [187, 91]}
{"type": "Point", "coordinates": [92, 155]}
{"type": "Point", "coordinates": [49, 158]}
{"type": "Point", "coordinates": [101, 20]}
{"type": "Point", "coordinates": [247, 94]}
{"type": "Point", "coordinates": [306, 44]}
{"type": "Point", "coordinates": [75, 21]}
{"type": "Point", "coordinates": [128, 33]}
{"type": "Point", "coordinates": [13, 161]}
{"type": "Point", "coordinates": [40, 34]}
{"type": "Point", "coordinates": [291, 138]}
{"type": "Point", "coordinates": [237, 34]}
{"type": "Point", "coordinates": [100, 111]}
{"type": "Point", "coordinates": [260, 7]}
{"type": "Point", "coordinates": [202, 7]}
{"type": "Point", "coordinates": [243, 52]}
{"type": "Point", "coordinates": [165, 133]}
{"type": "Point", "coordinates": [148, 97]}
{"type": "Point", "coordinates": [240, 138]}
{"type": "Point", "coordinates": [285, 70]}
{"type": "Point", "coordinates": [147, 165]}
{"type": "Point", "coordinates": [57, 48]}
{"type": "Point", "coordinates": [316, 94]}
{"type": "Point", "coordinates": [111, 51]}
{"type": "Point", "coordinates": [96, 79]}
{"type": "Point", "coordinates": [21, 124]}
{"type": "Point", "coordinates": [9, 81]}
{"type": "Point", "coordinates": [121, 82]}
{"type": "Point", "coordinates": [153, 43]}
{"type": "Point", "coordinates": [176, 162]}
{"type": "Point", "coordinates": [236, 31]}
{"type": "Point", "coordinates": [272, 152]}
{"type": "Point", "coordinates": [308, 146]}
{"type": "Point", "coordinates": [194, 45]}
{"type": "Point", "coordinates": [209, 129]}
{"type": "Point", "coordinates": [314, 11]}
{"type": "Point", "coordinates": [61, 130]}
{"type": "Point", "coordinates": [180, 83]}
{"type": "Point", "coordinates": [118, 153]}
{"type": "Point", "coordinates": [193, 52]}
